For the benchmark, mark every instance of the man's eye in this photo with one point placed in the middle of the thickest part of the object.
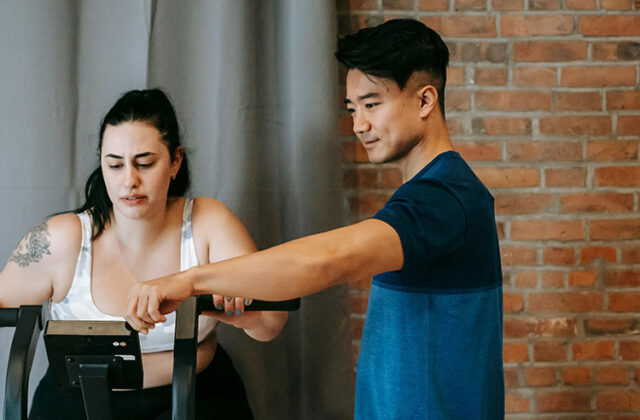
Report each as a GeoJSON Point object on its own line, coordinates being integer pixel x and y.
{"type": "Point", "coordinates": [351, 110]}
{"type": "Point", "coordinates": [371, 105]}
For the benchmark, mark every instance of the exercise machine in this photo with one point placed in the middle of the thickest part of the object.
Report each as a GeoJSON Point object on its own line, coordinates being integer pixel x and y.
{"type": "Point", "coordinates": [99, 356]}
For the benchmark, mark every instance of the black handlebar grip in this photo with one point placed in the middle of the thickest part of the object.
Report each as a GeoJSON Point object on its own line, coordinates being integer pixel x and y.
{"type": "Point", "coordinates": [205, 303]}
{"type": "Point", "coordinates": [8, 317]}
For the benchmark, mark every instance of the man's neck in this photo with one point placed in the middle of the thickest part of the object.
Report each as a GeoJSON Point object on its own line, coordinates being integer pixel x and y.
{"type": "Point", "coordinates": [435, 142]}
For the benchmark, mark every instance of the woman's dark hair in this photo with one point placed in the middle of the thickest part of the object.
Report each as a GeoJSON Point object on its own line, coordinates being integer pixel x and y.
{"type": "Point", "coordinates": [395, 50]}
{"type": "Point", "coordinates": [147, 106]}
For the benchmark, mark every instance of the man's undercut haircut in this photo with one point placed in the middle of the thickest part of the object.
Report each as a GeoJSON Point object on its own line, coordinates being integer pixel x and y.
{"type": "Point", "coordinates": [395, 50]}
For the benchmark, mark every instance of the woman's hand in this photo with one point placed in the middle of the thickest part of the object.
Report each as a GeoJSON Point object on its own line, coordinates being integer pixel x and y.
{"type": "Point", "coordinates": [234, 312]}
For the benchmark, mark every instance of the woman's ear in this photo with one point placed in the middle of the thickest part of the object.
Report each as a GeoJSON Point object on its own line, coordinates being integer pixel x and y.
{"type": "Point", "coordinates": [428, 100]}
{"type": "Point", "coordinates": [178, 155]}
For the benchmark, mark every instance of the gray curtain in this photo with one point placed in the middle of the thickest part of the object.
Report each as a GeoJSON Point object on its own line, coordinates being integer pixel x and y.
{"type": "Point", "coordinates": [254, 85]}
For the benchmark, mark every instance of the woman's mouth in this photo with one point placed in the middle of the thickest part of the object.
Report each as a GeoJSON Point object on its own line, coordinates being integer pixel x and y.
{"type": "Point", "coordinates": [132, 200]}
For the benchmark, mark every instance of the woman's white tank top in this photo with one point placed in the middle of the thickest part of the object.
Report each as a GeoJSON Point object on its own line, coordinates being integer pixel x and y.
{"type": "Point", "coordinates": [79, 305]}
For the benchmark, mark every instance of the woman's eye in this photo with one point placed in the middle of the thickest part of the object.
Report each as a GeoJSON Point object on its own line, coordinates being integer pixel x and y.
{"type": "Point", "coordinates": [145, 165]}
{"type": "Point", "coordinates": [115, 166]}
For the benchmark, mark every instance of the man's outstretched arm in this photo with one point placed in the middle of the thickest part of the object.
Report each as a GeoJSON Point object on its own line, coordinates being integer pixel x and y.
{"type": "Point", "coordinates": [293, 269]}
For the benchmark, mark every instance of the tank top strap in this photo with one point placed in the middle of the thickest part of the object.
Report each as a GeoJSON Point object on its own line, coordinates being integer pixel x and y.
{"type": "Point", "coordinates": [188, 255]}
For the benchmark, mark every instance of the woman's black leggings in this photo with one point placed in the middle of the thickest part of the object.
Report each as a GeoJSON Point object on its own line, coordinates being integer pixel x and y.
{"type": "Point", "coordinates": [219, 394]}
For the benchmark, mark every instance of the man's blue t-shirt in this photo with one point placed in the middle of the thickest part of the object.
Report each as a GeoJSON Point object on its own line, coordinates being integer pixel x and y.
{"type": "Point", "coordinates": [432, 341]}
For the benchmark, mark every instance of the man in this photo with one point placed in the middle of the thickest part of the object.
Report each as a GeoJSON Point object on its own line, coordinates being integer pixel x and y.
{"type": "Point", "coordinates": [432, 341]}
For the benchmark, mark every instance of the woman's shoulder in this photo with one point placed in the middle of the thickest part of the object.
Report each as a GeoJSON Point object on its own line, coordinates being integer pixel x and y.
{"type": "Point", "coordinates": [209, 210]}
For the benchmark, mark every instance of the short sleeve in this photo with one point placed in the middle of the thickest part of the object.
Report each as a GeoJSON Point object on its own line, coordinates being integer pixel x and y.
{"type": "Point", "coordinates": [429, 220]}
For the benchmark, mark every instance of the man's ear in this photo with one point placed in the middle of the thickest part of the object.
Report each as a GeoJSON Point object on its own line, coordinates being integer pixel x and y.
{"type": "Point", "coordinates": [428, 100]}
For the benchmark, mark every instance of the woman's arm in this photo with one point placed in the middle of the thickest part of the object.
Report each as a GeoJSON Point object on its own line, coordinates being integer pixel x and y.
{"type": "Point", "coordinates": [42, 265]}
{"type": "Point", "coordinates": [227, 238]}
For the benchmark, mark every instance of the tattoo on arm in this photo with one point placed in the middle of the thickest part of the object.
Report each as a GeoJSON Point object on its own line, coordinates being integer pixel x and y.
{"type": "Point", "coordinates": [33, 246]}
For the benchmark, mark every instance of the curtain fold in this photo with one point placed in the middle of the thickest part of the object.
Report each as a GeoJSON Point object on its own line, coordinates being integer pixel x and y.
{"type": "Point", "coordinates": [254, 85]}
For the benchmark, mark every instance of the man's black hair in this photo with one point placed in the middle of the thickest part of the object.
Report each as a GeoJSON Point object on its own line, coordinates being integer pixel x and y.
{"type": "Point", "coordinates": [395, 50]}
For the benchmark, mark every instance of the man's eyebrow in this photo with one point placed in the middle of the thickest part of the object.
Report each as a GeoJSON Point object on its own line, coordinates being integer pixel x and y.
{"type": "Point", "coordinates": [139, 155]}
{"type": "Point", "coordinates": [363, 97]}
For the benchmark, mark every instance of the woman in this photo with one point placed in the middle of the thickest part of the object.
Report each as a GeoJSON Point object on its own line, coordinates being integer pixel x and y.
{"type": "Point", "coordinates": [136, 224]}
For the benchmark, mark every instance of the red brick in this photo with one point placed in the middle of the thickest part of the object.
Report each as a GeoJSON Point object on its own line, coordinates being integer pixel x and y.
{"type": "Point", "coordinates": [558, 256]}
{"type": "Point", "coordinates": [605, 51]}
{"type": "Point", "coordinates": [544, 150]}
{"type": "Point", "coordinates": [349, 5]}
{"type": "Point", "coordinates": [596, 202]}
{"type": "Point", "coordinates": [397, 4]}
{"type": "Point", "coordinates": [458, 100]}
{"type": "Point", "coordinates": [598, 76]}
{"type": "Point", "coordinates": [538, 327]}
{"type": "Point", "coordinates": [434, 5]}
{"type": "Point", "coordinates": [612, 375]}
{"type": "Point", "coordinates": [462, 26]}
{"type": "Point", "coordinates": [540, 376]}
{"type": "Point", "coordinates": [615, 4]}
{"type": "Point", "coordinates": [490, 76]}
{"type": "Point", "coordinates": [522, 203]}
{"type": "Point", "coordinates": [391, 178]}
{"type": "Point", "coordinates": [624, 302]}
{"type": "Point", "coordinates": [561, 230]}
{"type": "Point", "coordinates": [630, 350]}
{"type": "Point", "coordinates": [631, 255]}
{"type": "Point", "coordinates": [455, 127]}
{"type": "Point", "coordinates": [576, 375]}
{"type": "Point", "coordinates": [507, 5]}
{"type": "Point", "coordinates": [565, 302]}
{"type": "Point", "coordinates": [548, 51]}
{"type": "Point", "coordinates": [368, 203]}
{"type": "Point", "coordinates": [583, 278]}
{"type": "Point", "coordinates": [513, 303]}
{"type": "Point", "coordinates": [590, 253]}
{"type": "Point", "coordinates": [479, 151]}
{"type": "Point", "coordinates": [535, 76]}
{"type": "Point", "coordinates": [608, 326]}
{"type": "Point", "coordinates": [578, 101]}
{"type": "Point", "coordinates": [565, 177]}
{"type": "Point", "coordinates": [628, 125]}
{"type": "Point", "coordinates": [622, 278]}
{"type": "Point", "coordinates": [508, 177]}
{"type": "Point", "coordinates": [526, 279]}
{"type": "Point", "coordinates": [515, 255]}
{"type": "Point", "coordinates": [623, 99]}
{"type": "Point", "coordinates": [581, 4]}
{"type": "Point", "coordinates": [529, 25]}
{"type": "Point", "coordinates": [477, 5]}
{"type": "Point", "coordinates": [357, 324]}
{"type": "Point", "coordinates": [563, 401]}
{"type": "Point", "coordinates": [594, 350]}
{"type": "Point", "coordinates": [545, 4]}
{"type": "Point", "coordinates": [515, 403]}
{"type": "Point", "coordinates": [360, 178]}
{"type": "Point", "coordinates": [455, 76]}
{"type": "Point", "coordinates": [515, 352]}
{"type": "Point", "coordinates": [358, 302]}
{"type": "Point", "coordinates": [617, 229]}
{"type": "Point", "coordinates": [501, 126]}
{"type": "Point", "coordinates": [354, 152]}
{"type": "Point", "coordinates": [618, 400]}
{"type": "Point", "coordinates": [574, 125]}
{"type": "Point", "coordinates": [511, 378]}
{"type": "Point", "coordinates": [612, 150]}
{"type": "Point", "coordinates": [619, 176]}
{"type": "Point", "coordinates": [552, 279]}
{"type": "Point", "coordinates": [549, 352]}
{"type": "Point", "coordinates": [513, 100]}
{"type": "Point", "coordinates": [475, 52]}
{"type": "Point", "coordinates": [609, 25]}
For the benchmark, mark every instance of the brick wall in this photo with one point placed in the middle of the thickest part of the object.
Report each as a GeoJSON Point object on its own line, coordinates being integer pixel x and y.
{"type": "Point", "coordinates": [543, 101]}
